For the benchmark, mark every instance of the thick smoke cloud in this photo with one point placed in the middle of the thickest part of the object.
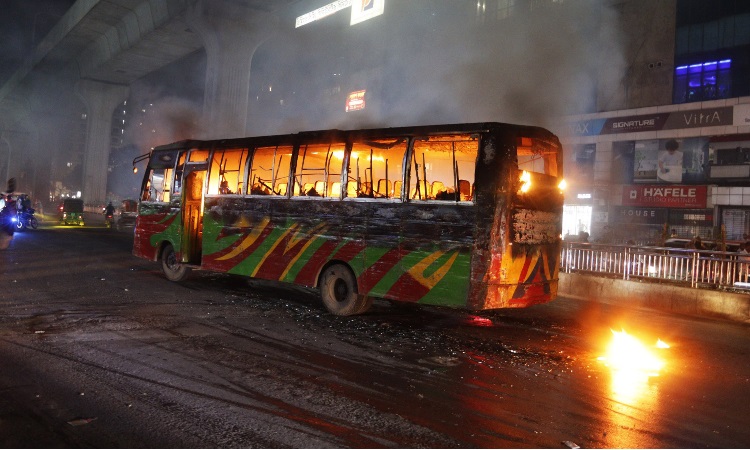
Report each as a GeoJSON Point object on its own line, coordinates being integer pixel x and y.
{"type": "Point", "coordinates": [421, 62]}
{"type": "Point", "coordinates": [425, 62]}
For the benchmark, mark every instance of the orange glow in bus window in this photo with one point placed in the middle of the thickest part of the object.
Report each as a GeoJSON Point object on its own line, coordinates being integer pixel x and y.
{"type": "Point", "coordinates": [525, 181]}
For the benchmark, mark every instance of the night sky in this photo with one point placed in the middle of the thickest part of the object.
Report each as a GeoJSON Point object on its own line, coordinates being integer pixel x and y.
{"type": "Point", "coordinates": [23, 22]}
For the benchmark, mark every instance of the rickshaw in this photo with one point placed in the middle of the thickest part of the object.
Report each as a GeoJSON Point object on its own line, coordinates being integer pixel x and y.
{"type": "Point", "coordinates": [72, 211]}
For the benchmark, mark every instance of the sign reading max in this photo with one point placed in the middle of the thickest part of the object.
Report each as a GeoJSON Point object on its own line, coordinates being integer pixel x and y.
{"type": "Point", "coordinates": [675, 196]}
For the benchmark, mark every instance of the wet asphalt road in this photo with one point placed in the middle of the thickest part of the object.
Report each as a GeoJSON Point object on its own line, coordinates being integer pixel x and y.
{"type": "Point", "coordinates": [98, 349]}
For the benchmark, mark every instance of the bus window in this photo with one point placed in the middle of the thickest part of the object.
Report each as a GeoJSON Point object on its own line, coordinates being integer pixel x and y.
{"type": "Point", "coordinates": [318, 170]}
{"type": "Point", "coordinates": [227, 174]}
{"type": "Point", "coordinates": [177, 185]}
{"type": "Point", "coordinates": [536, 155]}
{"type": "Point", "coordinates": [157, 186]}
{"type": "Point", "coordinates": [442, 167]}
{"type": "Point", "coordinates": [375, 169]}
{"type": "Point", "coordinates": [269, 172]}
{"type": "Point", "coordinates": [197, 155]}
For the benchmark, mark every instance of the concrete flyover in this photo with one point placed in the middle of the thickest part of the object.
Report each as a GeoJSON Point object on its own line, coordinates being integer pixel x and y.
{"type": "Point", "coordinates": [661, 296]}
{"type": "Point", "coordinates": [99, 47]}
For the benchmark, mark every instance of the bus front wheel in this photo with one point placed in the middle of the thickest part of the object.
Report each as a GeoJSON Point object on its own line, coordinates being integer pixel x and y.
{"type": "Point", "coordinates": [338, 289]}
{"type": "Point", "coordinates": [172, 268]}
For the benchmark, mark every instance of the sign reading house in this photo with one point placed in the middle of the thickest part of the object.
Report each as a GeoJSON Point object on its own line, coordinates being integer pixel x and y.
{"type": "Point", "coordinates": [665, 196]}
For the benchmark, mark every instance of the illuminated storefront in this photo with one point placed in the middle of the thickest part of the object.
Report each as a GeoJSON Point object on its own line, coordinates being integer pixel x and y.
{"type": "Point", "coordinates": [669, 171]}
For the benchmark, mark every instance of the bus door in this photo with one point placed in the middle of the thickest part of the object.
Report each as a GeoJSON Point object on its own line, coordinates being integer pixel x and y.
{"type": "Point", "coordinates": [192, 212]}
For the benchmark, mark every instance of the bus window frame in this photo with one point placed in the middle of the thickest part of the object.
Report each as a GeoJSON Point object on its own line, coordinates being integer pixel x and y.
{"type": "Point", "coordinates": [250, 161]}
{"type": "Point", "coordinates": [160, 164]}
{"type": "Point", "coordinates": [408, 167]}
{"type": "Point", "coordinates": [243, 182]}
{"type": "Point", "coordinates": [345, 169]}
{"type": "Point", "coordinates": [296, 160]}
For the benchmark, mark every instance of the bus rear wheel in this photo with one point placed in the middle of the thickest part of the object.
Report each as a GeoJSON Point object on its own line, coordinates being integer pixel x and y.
{"type": "Point", "coordinates": [172, 268]}
{"type": "Point", "coordinates": [338, 289]}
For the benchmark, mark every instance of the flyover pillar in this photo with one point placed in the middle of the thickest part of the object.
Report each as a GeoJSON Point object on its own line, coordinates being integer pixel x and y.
{"type": "Point", "coordinates": [100, 100]}
{"type": "Point", "coordinates": [231, 33]}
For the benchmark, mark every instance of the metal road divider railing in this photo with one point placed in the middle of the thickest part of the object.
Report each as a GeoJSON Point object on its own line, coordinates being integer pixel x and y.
{"type": "Point", "coordinates": [699, 269]}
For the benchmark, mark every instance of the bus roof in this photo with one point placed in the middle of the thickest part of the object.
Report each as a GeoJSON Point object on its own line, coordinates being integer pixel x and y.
{"type": "Point", "coordinates": [357, 134]}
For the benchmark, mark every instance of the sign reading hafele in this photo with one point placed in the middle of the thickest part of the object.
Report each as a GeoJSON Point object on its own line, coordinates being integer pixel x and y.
{"type": "Point", "coordinates": [665, 196]}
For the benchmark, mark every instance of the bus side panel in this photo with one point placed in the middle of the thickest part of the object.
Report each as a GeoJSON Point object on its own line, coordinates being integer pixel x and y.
{"type": "Point", "coordinates": [338, 231]}
{"type": "Point", "coordinates": [282, 239]}
{"type": "Point", "coordinates": [435, 250]}
{"type": "Point", "coordinates": [155, 223]}
{"type": "Point", "coordinates": [236, 233]}
{"type": "Point", "coordinates": [406, 253]}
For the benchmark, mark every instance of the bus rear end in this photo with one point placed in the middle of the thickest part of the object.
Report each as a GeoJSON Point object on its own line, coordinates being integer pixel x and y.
{"type": "Point", "coordinates": [525, 240]}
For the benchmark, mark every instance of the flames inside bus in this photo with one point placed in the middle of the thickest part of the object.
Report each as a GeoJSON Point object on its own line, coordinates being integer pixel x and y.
{"type": "Point", "coordinates": [465, 215]}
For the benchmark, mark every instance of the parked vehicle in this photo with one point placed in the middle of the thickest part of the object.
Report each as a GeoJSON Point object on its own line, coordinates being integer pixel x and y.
{"type": "Point", "coordinates": [708, 244]}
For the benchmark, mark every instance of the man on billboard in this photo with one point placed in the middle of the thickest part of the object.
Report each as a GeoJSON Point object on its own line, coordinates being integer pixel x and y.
{"type": "Point", "coordinates": [670, 163]}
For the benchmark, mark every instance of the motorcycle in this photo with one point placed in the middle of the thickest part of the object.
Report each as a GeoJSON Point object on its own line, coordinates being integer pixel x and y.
{"type": "Point", "coordinates": [109, 220]}
{"type": "Point", "coordinates": [8, 220]}
{"type": "Point", "coordinates": [26, 219]}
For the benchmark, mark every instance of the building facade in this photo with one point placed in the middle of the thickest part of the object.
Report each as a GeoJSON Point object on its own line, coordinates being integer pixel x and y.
{"type": "Point", "coordinates": [675, 157]}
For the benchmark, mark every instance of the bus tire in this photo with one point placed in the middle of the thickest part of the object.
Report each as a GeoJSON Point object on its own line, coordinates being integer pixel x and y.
{"type": "Point", "coordinates": [338, 289]}
{"type": "Point", "coordinates": [173, 269]}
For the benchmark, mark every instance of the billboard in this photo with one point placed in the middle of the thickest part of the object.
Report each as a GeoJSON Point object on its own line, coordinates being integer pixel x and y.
{"type": "Point", "coordinates": [361, 10]}
{"type": "Point", "coordinates": [366, 9]}
{"type": "Point", "coordinates": [355, 101]}
{"type": "Point", "coordinates": [667, 196]}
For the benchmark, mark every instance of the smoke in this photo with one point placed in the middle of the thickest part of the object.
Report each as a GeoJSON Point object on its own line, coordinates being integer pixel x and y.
{"type": "Point", "coordinates": [421, 62]}
{"type": "Point", "coordinates": [428, 62]}
{"type": "Point", "coordinates": [155, 118]}
{"type": "Point", "coordinates": [163, 121]}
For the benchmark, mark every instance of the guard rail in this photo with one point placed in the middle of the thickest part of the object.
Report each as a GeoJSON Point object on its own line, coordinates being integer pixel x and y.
{"type": "Point", "coordinates": [697, 268]}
